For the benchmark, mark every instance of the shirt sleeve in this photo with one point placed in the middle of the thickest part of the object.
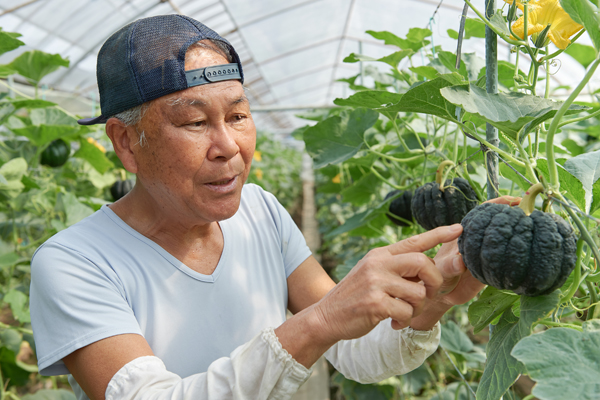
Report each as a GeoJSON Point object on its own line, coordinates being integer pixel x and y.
{"type": "Point", "coordinates": [383, 352]}
{"type": "Point", "coordinates": [74, 302]}
{"type": "Point", "coordinates": [293, 245]}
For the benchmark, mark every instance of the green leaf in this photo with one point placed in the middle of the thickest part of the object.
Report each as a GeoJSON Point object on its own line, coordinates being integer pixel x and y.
{"type": "Point", "coordinates": [75, 210]}
{"type": "Point", "coordinates": [357, 220]}
{"type": "Point", "coordinates": [338, 138]}
{"type": "Point", "coordinates": [501, 369]}
{"type": "Point", "coordinates": [456, 341]}
{"type": "Point", "coordinates": [35, 64]}
{"type": "Point", "coordinates": [9, 41]}
{"type": "Point", "coordinates": [14, 169]}
{"type": "Point", "coordinates": [18, 304]}
{"type": "Point", "coordinates": [6, 71]}
{"type": "Point", "coordinates": [361, 191]}
{"type": "Point", "coordinates": [92, 154]}
{"type": "Point", "coordinates": [426, 98]}
{"type": "Point", "coordinates": [31, 103]}
{"type": "Point", "coordinates": [414, 39]}
{"type": "Point", "coordinates": [11, 339]}
{"type": "Point", "coordinates": [41, 135]}
{"type": "Point", "coordinates": [414, 381]}
{"type": "Point", "coordinates": [474, 27]}
{"type": "Point", "coordinates": [51, 394]}
{"type": "Point", "coordinates": [586, 168]}
{"type": "Point", "coordinates": [582, 53]}
{"type": "Point", "coordinates": [563, 362]}
{"type": "Point", "coordinates": [575, 190]}
{"type": "Point", "coordinates": [509, 112]}
{"type": "Point", "coordinates": [51, 116]}
{"type": "Point", "coordinates": [10, 259]}
{"type": "Point", "coordinates": [506, 72]}
{"type": "Point", "coordinates": [370, 99]}
{"type": "Point", "coordinates": [508, 173]}
{"type": "Point", "coordinates": [585, 13]}
{"type": "Point", "coordinates": [11, 370]}
{"type": "Point", "coordinates": [425, 71]}
{"type": "Point", "coordinates": [498, 22]}
{"type": "Point", "coordinates": [491, 303]}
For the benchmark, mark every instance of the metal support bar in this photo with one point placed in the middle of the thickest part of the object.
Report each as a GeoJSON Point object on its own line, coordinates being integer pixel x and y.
{"type": "Point", "coordinates": [491, 83]}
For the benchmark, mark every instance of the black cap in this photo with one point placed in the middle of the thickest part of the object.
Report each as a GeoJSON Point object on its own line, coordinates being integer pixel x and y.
{"type": "Point", "coordinates": [145, 60]}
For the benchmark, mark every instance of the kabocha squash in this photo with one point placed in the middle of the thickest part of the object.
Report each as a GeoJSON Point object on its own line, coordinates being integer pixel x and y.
{"type": "Point", "coordinates": [121, 188]}
{"type": "Point", "coordinates": [434, 205]}
{"type": "Point", "coordinates": [400, 212]}
{"type": "Point", "coordinates": [514, 248]}
{"type": "Point", "coordinates": [56, 154]}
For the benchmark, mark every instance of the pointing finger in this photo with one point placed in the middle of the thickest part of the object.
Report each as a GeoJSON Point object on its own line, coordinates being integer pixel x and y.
{"type": "Point", "coordinates": [427, 240]}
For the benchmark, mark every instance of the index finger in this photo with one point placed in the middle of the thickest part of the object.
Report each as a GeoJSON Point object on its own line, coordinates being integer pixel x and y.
{"type": "Point", "coordinates": [427, 240]}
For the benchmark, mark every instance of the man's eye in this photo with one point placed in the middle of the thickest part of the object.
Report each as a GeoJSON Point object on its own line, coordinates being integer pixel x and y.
{"type": "Point", "coordinates": [238, 118]}
{"type": "Point", "coordinates": [197, 123]}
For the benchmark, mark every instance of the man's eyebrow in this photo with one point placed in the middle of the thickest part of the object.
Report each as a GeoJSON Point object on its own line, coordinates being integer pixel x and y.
{"type": "Point", "coordinates": [241, 99]}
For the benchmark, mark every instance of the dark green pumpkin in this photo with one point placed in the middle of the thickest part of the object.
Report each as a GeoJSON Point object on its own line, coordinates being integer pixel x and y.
{"type": "Point", "coordinates": [505, 248]}
{"type": "Point", "coordinates": [56, 154]}
{"type": "Point", "coordinates": [432, 207]}
{"type": "Point", "coordinates": [121, 188]}
{"type": "Point", "coordinates": [400, 207]}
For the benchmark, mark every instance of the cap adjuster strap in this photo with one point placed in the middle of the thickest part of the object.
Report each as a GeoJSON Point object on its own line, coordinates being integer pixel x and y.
{"type": "Point", "coordinates": [215, 73]}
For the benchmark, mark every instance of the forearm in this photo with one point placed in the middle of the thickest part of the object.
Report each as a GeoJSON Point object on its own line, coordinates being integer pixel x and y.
{"type": "Point", "coordinates": [260, 369]}
{"type": "Point", "coordinates": [431, 314]}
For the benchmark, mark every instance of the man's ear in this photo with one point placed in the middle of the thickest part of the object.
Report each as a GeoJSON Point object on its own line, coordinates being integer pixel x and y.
{"type": "Point", "coordinates": [123, 139]}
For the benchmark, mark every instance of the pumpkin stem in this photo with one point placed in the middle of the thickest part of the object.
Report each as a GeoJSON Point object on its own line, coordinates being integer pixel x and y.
{"type": "Point", "coordinates": [439, 174]}
{"type": "Point", "coordinates": [528, 201]}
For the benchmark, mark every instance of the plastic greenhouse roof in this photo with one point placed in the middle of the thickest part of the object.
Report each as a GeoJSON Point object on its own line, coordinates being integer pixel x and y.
{"type": "Point", "coordinates": [292, 51]}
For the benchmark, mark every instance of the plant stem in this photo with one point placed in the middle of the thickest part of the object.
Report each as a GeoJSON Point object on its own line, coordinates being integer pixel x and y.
{"type": "Point", "coordinates": [593, 300]}
{"type": "Point", "coordinates": [496, 31]}
{"type": "Point", "coordinates": [525, 156]}
{"type": "Point", "coordinates": [570, 121]}
{"type": "Point", "coordinates": [528, 202]}
{"type": "Point", "coordinates": [576, 273]}
{"type": "Point", "coordinates": [559, 325]}
{"type": "Point", "coordinates": [552, 168]}
{"type": "Point", "coordinates": [492, 147]}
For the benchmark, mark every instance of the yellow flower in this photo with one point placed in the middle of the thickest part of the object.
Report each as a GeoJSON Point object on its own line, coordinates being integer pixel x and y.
{"type": "Point", "coordinates": [259, 174]}
{"type": "Point", "coordinates": [257, 156]}
{"type": "Point", "coordinates": [337, 178]}
{"type": "Point", "coordinates": [95, 143]}
{"type": "Point", "coordinates": [542, 13]}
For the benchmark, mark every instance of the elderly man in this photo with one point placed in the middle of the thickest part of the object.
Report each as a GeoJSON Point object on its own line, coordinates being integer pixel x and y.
{"type": "Point", "coordinates": [180, 289]}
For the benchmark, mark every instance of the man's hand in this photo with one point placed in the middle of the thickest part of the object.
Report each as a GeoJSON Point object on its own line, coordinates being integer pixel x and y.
{"type": "Point", "coordinates": [389, 282]}
{"type": "Point", "coordinates": [459, 285]}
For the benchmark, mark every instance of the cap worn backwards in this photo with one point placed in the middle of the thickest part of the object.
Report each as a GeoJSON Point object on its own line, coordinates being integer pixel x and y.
{"type": "Point", "coordinates": [145, 60]}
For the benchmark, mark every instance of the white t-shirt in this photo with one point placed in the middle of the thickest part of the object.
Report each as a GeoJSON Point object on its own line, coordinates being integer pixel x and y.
{"type": "Point", "coordinates": [101, 278]}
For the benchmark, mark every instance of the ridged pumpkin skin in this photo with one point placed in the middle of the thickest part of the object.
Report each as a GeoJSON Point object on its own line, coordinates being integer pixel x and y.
{"type": "Point", "coordinates": [400, 207]}
{"type": "Point", "coordinates": [433, 208]}
{"type": "Point", "coordinates": [504, 248]}
{"type": "Point", "coordinates": [121, 188]}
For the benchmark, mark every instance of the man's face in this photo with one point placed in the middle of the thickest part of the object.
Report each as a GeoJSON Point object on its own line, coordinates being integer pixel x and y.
{"type": "Point", "coordinates": [198, 148]}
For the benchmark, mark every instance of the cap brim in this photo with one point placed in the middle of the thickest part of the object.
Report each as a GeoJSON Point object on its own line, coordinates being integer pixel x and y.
{"type": "Point", "coordinates": [93, 121]}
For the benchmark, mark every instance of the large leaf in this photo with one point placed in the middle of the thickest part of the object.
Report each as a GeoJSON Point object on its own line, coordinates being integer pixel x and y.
{"type": "Point", "coordinates": [574, 189]}
{"type": "Point", "coordinates": [88, 151]}
{"type": "Point", "coordinates": [456, 341]}
{"type": "Point", "coordinates": [361, 191]}
{"type": "Point", "coordinates": [563, 362]}
{"type": "Point", "coordinates": [370, 99]}
{"type": "Point", "coordinates": [584, 54]}
{"type": "Point", "coordinates": [489, 306]}
{"type": "Point", "coordinates": [12, 373]}
{"type": "Point", "coordinates": [586, 168]}
{"type": "Point", "coordinates": [41, 135]}
{"type": "Point", "coordinates": [31, 103]}
{"type": "Point", "coordinates": [9, 41]}
{"type": "Point", "coordinates": [338, 138]}
{"type": "Point", "coordinates": [75, 210]}
{"type": "Point", "coordinates": [586, 14]}
{"type": "Point", "coordinates": [392, 59]}
{"type": "Point", "coordinates": [474, 27]}
{"type": "Point", "coordinates": [357, 220]}
{"type": "Point", "coordinates": [506, 74]}
{"type": "Point", "coordinates": [35, 64]}
{"type": "Point", "coordinates": [51, 116]}
{"type": "Point", "coordinates": [509, 112]}
{"type": "Point", "coordinates": [502, 369]}
{"type": "Point", "coordinates": [415, 39]}
{"type": "Point", "coordinates": [426, 98]}
{"type": "Point", "coordinates": [18, 304]}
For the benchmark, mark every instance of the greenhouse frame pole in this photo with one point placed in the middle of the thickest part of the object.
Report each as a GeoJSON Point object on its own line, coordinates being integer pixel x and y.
{"type": "Point", "coordinates": [491, 84]}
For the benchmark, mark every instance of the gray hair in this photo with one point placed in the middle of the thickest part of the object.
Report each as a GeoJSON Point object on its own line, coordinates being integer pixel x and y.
{"type": "Point", "coordinates": [134, 115]}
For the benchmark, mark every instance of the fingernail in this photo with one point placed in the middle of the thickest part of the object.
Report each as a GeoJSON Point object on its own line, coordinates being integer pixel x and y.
{"type": "Point", "coordinates": [455, 228]}
{"type": "Point", "coordinates": [457, 264]}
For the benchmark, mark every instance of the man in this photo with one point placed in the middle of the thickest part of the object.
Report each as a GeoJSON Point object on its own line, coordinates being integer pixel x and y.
{"type": "Point", "coordinates": [179, 289]}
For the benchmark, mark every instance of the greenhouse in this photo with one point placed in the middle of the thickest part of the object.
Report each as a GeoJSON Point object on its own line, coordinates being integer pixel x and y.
{"type": "Point", "coordinates": [303, 199]}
